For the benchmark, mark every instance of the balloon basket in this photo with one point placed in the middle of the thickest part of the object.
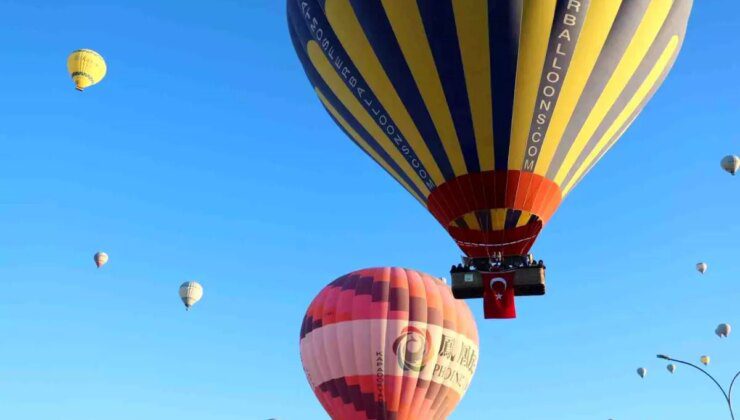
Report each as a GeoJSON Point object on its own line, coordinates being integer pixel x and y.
{"type": "Point", "coordinates": [468, 278]}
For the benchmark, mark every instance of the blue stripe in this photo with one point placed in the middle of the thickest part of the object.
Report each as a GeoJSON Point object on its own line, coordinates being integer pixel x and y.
{"type": "Point", "coordinates": [484, 219]}
{"type": "Point", "coordinates": [504, 25]}
{"type": "Point", "coordinates": [319, 83]}
{"type": "Point", "coordinates": [512, 217]}
{"type": "Point", "coordinates": [309, 22]}
{"type": "Point", "coordinates": [439, 24]}
{"type": "Point", "coordinates": [379, 32]}
{"type": "Point", "coordinates": [299, 47]}
{"type": "Point", "coordinates": [460, 222]}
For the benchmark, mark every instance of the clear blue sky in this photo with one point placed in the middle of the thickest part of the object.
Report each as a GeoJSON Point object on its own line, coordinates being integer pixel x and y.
{"type": "Point", "coordinates": [205, 155]}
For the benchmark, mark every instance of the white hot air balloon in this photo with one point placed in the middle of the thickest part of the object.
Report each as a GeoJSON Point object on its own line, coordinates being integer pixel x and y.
{"type": "Point", "coordinates": [642, 372]}
{"type": "Point", "coordinates": [701, 267]}
{"type": "Point", "coordinates": [671, 368]}
{"type": "Point", "coordinates": [723, 330]}
{"type": "Point", "coordinates": [731, 164]}
{"type": "Point", "coordinates": [100, 258]}
{"type": "Point", "coordinates": [190, 293]}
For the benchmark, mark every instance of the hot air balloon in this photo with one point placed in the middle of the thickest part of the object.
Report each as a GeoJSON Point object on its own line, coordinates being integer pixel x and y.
{"type": "Point", "coordinates": [190, 293]}
{"type": "Point", "coordinates": [705, 360]}
{"type": "Point", "coordinates": [702, 267]}
{"type": "Point", "coordinates": [731, 164]}
{"type": "Point", "coordinates": [86, 68]}
{"type": "Point", "coordinates": [487, 112]}
{"type": "Point", "coordinates": [100, 258]}
{"type": "Point", "coordinates": [671, 368]}
{"type": "Point", "coordinates": [385, 343]}
{"type": "Point", "coordinates": [723, 330]}
{"type": "Point", "coordinates": [642, 372]}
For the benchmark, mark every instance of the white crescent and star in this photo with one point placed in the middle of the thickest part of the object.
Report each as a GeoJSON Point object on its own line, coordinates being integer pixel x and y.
{"type": "Point", "coordinates": [499, 296]}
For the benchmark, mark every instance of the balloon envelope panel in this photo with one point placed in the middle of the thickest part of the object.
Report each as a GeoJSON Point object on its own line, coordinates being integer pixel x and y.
{"type": "Point", "coordinates": [388, 343]}
{"type": "Point", "coordinates": [487, 112]}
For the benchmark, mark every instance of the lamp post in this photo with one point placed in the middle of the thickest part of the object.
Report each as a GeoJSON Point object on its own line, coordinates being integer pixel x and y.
{"type": "Point", "coordinates": [727, 394]}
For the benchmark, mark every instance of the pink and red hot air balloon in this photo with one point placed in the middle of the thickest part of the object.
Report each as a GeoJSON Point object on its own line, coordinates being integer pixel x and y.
{"type": "Point", "coordinates": [388, 343]}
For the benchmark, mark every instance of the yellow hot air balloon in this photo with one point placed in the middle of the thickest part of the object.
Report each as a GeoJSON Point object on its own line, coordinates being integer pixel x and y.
{"type": "Point", "coordinates": [86, 68]}
{"type": "Point", "coordinates": [704, 360]}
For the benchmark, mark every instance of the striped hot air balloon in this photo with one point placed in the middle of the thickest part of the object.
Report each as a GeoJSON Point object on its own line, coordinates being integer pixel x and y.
{"type": "Point", "coordinates": [387, 343]}
{"type": "Point", "coordinates": [488, 112]}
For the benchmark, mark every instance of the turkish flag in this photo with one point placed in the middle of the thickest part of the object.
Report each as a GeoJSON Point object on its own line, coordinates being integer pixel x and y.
{"type": "Point", "coordinates": [498, 295]}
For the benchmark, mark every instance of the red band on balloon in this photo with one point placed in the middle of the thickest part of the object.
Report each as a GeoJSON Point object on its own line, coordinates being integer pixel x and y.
{"type": "Point", "coordinates": [482, 191]}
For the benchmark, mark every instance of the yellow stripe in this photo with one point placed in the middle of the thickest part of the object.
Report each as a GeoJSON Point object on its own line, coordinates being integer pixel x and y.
{"type": "Point", "coordinates": [337, 86]}
{"type": "Point", "coordinates": [647, 85]}
{"type": "Point", "coordinates": [523, 218]}
{"type": "Point", "coordinates": [356, 136]}
{"type": "Point", "coordinates": [599, 20]}
{"type": "Point", "coordinates": [498, 219]}
{"type": "Point", "coordinates": [471, 20]}
{"type": "Point", "coordinates": [409, 30]}
{"type": "Point", "coordinates": [343, 21]}
{"type": "Point", "coordinates": [646, 32]}
{"type": "Point", "coordinates": [471, 221]}
{"type": "Point", "coordinates": [536, 26]}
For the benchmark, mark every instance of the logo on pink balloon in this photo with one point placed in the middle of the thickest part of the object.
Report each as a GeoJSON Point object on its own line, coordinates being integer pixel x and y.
{"type": "Point", "coordinates": [413, 349]}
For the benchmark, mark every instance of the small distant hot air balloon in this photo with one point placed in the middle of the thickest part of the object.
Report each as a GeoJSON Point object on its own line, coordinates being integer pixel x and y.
{"type": "Point", "coordinates": [723, 330]}
{"type": "Point", "coordinates": [731, 164]}
{"type": "Point", "coordinates": [86, 68]}
{"type": "Point", "coordinates": [705, 360]}
{"type": "Point", "coordinates": [642, 372]}
{"type": "Point", "coordinates": [190, 293]}
{"type": "Point", "coordinates": [100, 258]}
{"type": "Point", "coordinates": [671, 368]}
{"type": "Point", "coordinates": [701, 267]}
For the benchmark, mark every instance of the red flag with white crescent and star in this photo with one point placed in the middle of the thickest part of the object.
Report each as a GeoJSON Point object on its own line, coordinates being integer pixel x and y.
{"type": "Point", "coordinates": [498, 295]}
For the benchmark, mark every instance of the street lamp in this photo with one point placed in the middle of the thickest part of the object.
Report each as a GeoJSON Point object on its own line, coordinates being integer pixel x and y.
{"type": "Point", "coordinates": [727, 395]}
